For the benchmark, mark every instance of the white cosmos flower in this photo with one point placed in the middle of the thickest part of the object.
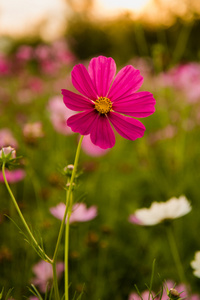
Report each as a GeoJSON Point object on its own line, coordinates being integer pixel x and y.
{"type": "Point", "coordinates": [160, 211]}
{"type": "Point", "coordinates": [195, 264]}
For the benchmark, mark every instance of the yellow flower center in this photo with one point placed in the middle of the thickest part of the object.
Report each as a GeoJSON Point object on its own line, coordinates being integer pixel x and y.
{"type": "Point", "coordinates": [103, 105]}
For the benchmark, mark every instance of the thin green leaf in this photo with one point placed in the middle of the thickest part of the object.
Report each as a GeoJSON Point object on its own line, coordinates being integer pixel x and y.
{"type": "Point", "coordinates": [139, 294]}
{"type": "Point", "coordinates": [74, 296]}
{"type": "Point", "coordinates": [152, 276]}
{"type": "Point", "coordinates": [35, 292]}
{"type": "Point", "coordinates": [1, 295]}
{"type": "Point", "coordinates": [51, 292]}
{"type": "Point", "coordinates": [63, 297]}
{"type": "Point", "coordinates": [8, 294]}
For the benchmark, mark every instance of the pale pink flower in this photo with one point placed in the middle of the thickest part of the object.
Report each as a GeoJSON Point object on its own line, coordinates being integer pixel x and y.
{"type": "Point", "coordinates": [135, 296]}
{"type": "Point", "coordinates": [62, 52]}
{"type": "Point", "coordinates": [91, 149]}
{"type": "Point", "coordinates": [7, 138]}
{"type": "Point", "coordinates": [185, 78]}
{"type": "Point", "coordinates": [35, 84]}
{"type": "Point", "coordinates": [42, 52]}
{"type": "Point", "coordinates": [80, 213]}
{"type": "Point", "coordinates": [44, 274]}
{"type": "Point", "coordinates": [58, 115]}
{"type": "Point", "coordinates": [13, 176]}
{"type": "Point", "coordinates": [24, 53]}
{"type": "Point", "coordinates": [49, 66]}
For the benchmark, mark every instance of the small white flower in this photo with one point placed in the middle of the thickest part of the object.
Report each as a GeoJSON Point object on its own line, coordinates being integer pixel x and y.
{"type": "Point", "coordinates": [195, 264]}
{"type": "Point", "coordinates": [160, 211]}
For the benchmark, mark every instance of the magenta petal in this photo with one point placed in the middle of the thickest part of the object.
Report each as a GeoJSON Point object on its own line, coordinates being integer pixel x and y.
{"type": "Point", "coordinates": [76, 102]}
{"type": "Point", "coordinates": [102, 71]}
{"type": "Point", "coordinates": [127, 81]}
{"type": "Point", "coordinates": [82, 122]}
{"type": "Point", "coordinates": [82, 82]}
{"type": "Point", "coordinates": [102, 133]}
{"type": "Point", "coordinates": [127, 127]}
{"type": "Point", "coordinates": [138, 105]}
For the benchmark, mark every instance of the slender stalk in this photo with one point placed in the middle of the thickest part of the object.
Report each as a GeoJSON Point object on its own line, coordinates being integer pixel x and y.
{"type": "Point", "coordinates": [175, 254]}
{"type": "Point", "coordinates": [55, 282]}
{"type": "Point", "coordinates": [67, 199]}
{"type": "Point", "coordinates": [68, 205]}
{"type": "Point", "coordinates": [67, 248]}
{"type": "Point", "coordinates": [35, 243]}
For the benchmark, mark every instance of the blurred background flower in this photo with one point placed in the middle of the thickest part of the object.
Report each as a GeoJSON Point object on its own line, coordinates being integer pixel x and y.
{"type": "Point", "coordinates": [13, 176]}
{"type": "Point", "coordinates": [195, 264]}
{"type": "Point", "coordinates": [80, 213]}
{"type": "Point", "coordinates": [161, 211]}
{"type": "Point", "coordinates": [44, 274]}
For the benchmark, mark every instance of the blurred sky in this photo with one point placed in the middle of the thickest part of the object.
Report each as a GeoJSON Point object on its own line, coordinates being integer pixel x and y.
{"type": "Point", "coordinates": [20, 17]}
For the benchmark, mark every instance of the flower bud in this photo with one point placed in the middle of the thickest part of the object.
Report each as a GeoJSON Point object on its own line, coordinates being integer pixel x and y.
{"type": "Point", "coordinates": [68, 185]}
{"type": "Point", "coordinates": [8, 157]}
{"type": "Point", "coordinates": [173, 294]}
{"type": "Point", "coordinates": [68, 170]}
{"type": "Point", "coordinates": [7, 152]}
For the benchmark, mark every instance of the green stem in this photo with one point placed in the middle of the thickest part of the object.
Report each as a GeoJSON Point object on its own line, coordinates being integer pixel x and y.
{"type": "Point", "coordinates": [68, 194]}
{"type": "Point", "coordinates": [55, 282]}
{"type": "Point", "coordinates": [67, 199]}
{"type": "Point", "coordinates": [175, 254]}
{"type": "Point", "coordinates": [35, 243]}
{"type": "Point", "coordinates": [67, 249]}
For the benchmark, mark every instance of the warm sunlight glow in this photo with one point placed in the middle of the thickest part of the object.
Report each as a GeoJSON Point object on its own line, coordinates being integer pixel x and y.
{"type": "Point", "coordinates": [113, 7]}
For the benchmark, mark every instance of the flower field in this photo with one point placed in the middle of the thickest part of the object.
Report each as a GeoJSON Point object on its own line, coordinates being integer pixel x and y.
{"type": "Point", "coordinates": [134, 223]}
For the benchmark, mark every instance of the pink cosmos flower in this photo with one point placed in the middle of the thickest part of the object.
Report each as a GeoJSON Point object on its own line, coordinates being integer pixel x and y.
{"type": "Point", "coordinates": [13, 176]}
{"type": "Point", "coordinates": [4, 65]}
{"type": "Point", "coordinates": [80, 213]}
{"type": "Point", "coordinates": [35, 84]}
{"type": "Point", "coordinates": [185, 78]}
{"type": "Point", "coordinates": [44, 274]}
{"type": "Point", "coordinates": [105, 101]}
{"type": "Point", "coordinates": [91, 149]}
{"type": "Point", "coordinates": [24, 53]}
{"type": "Point", "coordinates": [58, 115]}
{"type": "Point", "coordinates": [62, 52]}
{"type": "Point", "coordinates": [135, 296]}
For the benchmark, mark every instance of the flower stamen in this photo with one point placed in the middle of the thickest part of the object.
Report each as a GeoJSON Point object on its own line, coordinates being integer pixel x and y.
{"type": "Point", "coordinates": [103, 105]}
